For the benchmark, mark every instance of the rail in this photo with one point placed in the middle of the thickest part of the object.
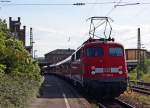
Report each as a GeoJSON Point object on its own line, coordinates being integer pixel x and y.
{"type": "Point", "coordinates": [115, 103]}
{"type": "Point", "coordinates": [140, 83]}
{"type": "Point", "coordinates": [141, 87]}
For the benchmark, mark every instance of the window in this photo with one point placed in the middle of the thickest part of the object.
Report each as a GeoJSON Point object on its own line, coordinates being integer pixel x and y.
{"type": "Point", "coordinates": [93, 52]}
{"type": "Point", "coordinates": [115, 51]}
{"type": "Point", "coordinates": [78, 54]}
{"type": "Point", "coordinates": [73, 57]}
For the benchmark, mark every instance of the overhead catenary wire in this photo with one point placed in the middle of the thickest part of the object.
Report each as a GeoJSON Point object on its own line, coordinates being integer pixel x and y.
{"type": "Point", "coordinates": [6, 3]}
{"type": "Point", "coordinates": [117, 3]}
{"type": "Point", "coordinates": [33, 4]}
{"type": "Point", "coordinates": [87, 3]}
{"type": "Point", "coordinates": [91, 9]}
{"type": "Point", "coordinates": [101, 23]}
{"type": "Point", "coordinates": [106, 22]}
{"type": "Point", "coordinates": [128, 4]}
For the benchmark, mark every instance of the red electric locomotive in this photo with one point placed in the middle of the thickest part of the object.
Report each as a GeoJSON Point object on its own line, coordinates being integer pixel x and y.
{"type": "Point", "coordinates": [98, 65]}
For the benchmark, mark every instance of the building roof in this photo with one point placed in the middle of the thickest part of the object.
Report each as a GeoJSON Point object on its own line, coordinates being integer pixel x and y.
{"type": "Point", "coordinates": [61, 51]}
{"type": "Point", "coordinates": [136, 49]}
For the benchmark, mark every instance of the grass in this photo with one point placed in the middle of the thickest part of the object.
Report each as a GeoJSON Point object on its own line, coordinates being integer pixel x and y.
{"type": "Point", "coordinates": [136, 99]}
{"type": "Point", "coordinates": [143, 77]}
{"type": "Point", "coordinates": [144, 72]}
{"type": "Point", "coordinates": [146, 77]}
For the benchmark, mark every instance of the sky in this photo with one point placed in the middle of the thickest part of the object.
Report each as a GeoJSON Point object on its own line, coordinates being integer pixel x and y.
{"type": "Point", "coordinates": [53, 25]}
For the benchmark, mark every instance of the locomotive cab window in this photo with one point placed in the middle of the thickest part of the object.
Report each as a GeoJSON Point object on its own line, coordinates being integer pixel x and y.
{"type": "Point", "coordinates": [94, 52]}
{"type": "Point", "coordinates": [115, 51]}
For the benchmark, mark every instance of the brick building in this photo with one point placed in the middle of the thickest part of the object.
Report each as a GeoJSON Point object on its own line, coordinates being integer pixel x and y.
{"type": "Point", "coordinates": [18, 33]}
{"type": "Point", "coordinates": [14, 27]}
{"type": "Point", "coordinates": [58, 55]}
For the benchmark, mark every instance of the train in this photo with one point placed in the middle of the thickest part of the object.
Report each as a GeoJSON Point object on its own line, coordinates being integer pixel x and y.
{"type": "Point", "coordinates": [98, 65]}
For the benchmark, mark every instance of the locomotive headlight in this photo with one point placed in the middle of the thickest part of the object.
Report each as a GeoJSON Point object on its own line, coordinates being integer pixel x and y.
{"type": "Point", "coordinates": [120, 70]}
{"type": "Point", "coordinates": [93, 70]}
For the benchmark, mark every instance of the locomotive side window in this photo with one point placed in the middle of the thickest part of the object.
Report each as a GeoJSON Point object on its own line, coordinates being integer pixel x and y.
{"type": "Point", "coordinates": [73, 57]}
{"type": "Point", "coordinates": [115, 51]}
{"type": "Point", "coordinates": [93, 52]}
{"type": "Point", "coordinates": [78, 55]}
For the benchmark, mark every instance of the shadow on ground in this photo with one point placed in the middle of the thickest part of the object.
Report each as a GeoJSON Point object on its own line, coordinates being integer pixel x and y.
{"type": "Point", "coordinates": [54, 87]}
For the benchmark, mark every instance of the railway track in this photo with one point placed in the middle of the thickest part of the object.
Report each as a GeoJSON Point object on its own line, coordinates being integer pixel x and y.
{"type": "Point", "coordinates": [112, 103]}
{"type": "Point", "coordinates": [115, 103]}
{"type": "Point", "coordinates": [140, 87]}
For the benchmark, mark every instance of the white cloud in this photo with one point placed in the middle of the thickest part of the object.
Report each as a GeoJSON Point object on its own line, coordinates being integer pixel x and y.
{"type": "Point", "coordinates": [127, 34]}
{"type": "Point", "coordinates": [50, 38]}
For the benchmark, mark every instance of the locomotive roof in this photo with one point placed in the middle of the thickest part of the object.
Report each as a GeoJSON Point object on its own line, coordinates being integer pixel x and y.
{"type": "Point", "coordinates": [100, 41]}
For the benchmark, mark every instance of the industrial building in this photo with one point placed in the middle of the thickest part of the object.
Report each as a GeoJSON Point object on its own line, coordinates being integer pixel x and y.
{"type": "Point", "coordinates": [133, 55]}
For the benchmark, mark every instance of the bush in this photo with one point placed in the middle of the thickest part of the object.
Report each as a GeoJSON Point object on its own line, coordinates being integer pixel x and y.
{"type": "Point", "coordinates": [17, 91]}
{"type": "Point", "coordinates": [144, 72]}
{"type": "Point", "coordinates": [19, 73]}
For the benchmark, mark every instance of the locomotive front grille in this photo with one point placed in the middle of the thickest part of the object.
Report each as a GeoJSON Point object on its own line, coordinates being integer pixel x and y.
{"type": "Point", "coordinates": [104, 70]}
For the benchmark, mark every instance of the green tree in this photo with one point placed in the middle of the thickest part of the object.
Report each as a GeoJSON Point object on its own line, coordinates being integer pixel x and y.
{"type": "Point", "coordinates": [19, 73]}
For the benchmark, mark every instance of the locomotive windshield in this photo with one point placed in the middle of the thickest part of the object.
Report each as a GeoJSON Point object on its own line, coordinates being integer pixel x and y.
{"type": "Point", "coordinates": [93, 52]}
{"type": "Point", "coordinates": [115, 51]}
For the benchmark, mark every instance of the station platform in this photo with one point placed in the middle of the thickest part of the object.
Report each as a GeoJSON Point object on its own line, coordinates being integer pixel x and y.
{"type": "Point", "coordinates": [56, 93]}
